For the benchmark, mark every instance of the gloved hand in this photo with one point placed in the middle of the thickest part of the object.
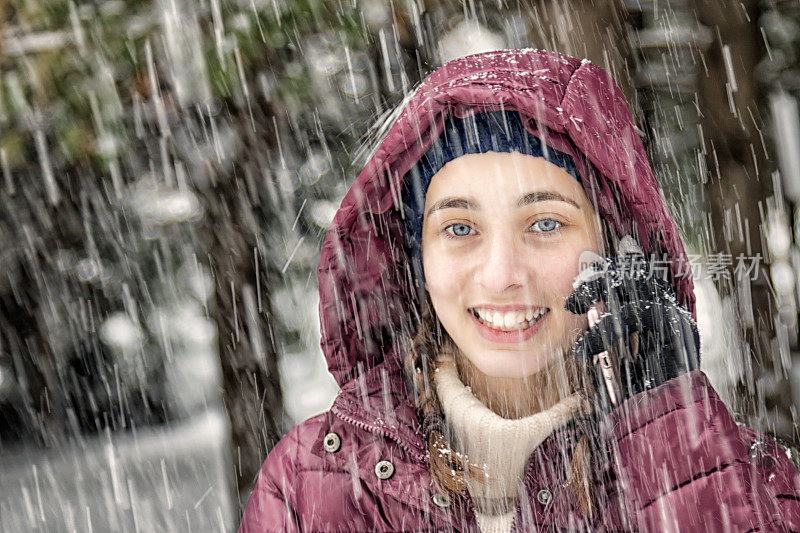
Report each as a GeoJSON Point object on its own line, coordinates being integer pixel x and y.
{"type": "Point", "coordinates": [649, 338]}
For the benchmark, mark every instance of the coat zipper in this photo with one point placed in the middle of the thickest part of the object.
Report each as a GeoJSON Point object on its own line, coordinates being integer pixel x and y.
{"type": "Point", "coordinates": [379, 431]}
{"type": "Point", "coordinates": [422, 458]}
{"type": "Point", "coordinates": [528, 483]}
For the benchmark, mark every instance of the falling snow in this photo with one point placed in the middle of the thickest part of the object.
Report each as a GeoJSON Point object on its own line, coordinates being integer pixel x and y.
{"type": "Point", "coordinates": [168, 171]}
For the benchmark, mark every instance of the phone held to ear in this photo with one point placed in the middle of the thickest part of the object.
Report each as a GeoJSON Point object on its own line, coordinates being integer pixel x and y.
{"type": "Point", "coordinates": [606, 378]}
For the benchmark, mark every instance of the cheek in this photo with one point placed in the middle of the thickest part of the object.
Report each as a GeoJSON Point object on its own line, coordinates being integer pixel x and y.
{"type": "Point", "coordinates": [557, 272]}
{"type": "Point", "coordinates": [444, 277]}
{"type": "Point", "coordinates": [438, 270]}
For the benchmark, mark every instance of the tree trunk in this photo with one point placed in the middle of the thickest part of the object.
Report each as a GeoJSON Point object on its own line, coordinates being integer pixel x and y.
{"type": "Point", "coordinates": [739, 179]}
{"type": "Point", "coordinates": [248, 356]}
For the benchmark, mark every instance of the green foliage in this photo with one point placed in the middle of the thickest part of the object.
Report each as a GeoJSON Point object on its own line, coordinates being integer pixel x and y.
{"type": "Point", "coordinates": [99, 51]}
{"type": "Point", "coordinates": [102, 79]}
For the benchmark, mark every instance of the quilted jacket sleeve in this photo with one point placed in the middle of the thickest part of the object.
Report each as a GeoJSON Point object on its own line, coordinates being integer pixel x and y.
{"type": "Point", "coordinates": [682, 463]}
{"type": "Point", "coordinates": [269, 508]}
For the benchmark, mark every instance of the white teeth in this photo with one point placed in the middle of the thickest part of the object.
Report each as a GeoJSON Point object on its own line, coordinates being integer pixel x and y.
{"type": "Point", "coordinates": [511, 321]}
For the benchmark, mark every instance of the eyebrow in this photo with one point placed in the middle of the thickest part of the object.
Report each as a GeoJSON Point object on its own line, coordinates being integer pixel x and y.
{"type": "Point", "coordinates": [457, 202]}
{"type": "Point", "coordinates": [545, 196]}
{"type": "Point", "coordinates": [452, 202]}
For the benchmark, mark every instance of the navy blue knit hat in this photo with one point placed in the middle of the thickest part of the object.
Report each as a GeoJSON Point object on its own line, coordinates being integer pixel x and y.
{"type": "Point", "coordinates": [495, 131]}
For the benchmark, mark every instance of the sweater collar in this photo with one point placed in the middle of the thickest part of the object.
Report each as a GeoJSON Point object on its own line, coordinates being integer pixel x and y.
{"type": "Point", "coordinates": [500, 446]}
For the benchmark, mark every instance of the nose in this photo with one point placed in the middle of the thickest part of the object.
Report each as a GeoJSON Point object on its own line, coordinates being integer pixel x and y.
{"type": "Point", "coordinates": [502, 267]}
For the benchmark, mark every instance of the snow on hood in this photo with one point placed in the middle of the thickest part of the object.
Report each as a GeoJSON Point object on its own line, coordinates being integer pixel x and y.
{"type": "Point", "coordinates": [366, 299]}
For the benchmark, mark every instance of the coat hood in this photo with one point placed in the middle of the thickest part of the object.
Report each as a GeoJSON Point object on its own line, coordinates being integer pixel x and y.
{"type": "Point", "coordinates": [366, 294]}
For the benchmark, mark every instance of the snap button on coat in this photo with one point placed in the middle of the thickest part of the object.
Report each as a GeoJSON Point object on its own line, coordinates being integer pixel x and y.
{"type": "Point", "coordinates": [332, 442]}
{"type": "Point", "coordinates": [384, 469]}
{"type": "Point", "coordinates": [544, 496]}
{"type": "Point", "coordinates": [441, 501]}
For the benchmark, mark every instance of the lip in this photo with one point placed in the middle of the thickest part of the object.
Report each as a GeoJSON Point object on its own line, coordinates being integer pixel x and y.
{"type": "Point", "coordinates": [506, 337]}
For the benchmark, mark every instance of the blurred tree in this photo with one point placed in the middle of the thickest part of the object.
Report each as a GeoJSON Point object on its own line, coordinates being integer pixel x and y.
{"type": "Point", "coordinates": [141, 138]}
{"type": "Point", "coordinates": [740, 189]}
{"type": "Point", "coordinates": [779, 71]}
{"type": "Point", "coordinates": [310, 80]}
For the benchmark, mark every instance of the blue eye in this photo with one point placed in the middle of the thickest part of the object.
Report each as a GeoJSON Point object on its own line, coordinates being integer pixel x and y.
{"type": "Point", "coordinates": [459, 230]}
{"type": "Point", "coordinates": [546, 225]}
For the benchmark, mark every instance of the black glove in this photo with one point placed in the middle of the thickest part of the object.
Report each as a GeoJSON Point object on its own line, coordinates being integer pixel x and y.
{"type": "Point", "coordinates": [648, 337]}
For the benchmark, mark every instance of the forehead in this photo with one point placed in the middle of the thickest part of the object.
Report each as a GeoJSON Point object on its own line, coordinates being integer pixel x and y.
{"type": "Point", "coordinates": [502, 177]}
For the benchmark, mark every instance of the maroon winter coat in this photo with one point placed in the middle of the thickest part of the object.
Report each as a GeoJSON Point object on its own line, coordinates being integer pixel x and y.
{"type": "Point", "coordinates": [677, 460]}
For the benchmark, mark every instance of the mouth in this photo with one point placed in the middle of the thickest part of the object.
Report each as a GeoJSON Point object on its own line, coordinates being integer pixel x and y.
{"type": "Point", "coordinates": [508, 326]}
{"type": "Point", "coordinates": [508, 320]}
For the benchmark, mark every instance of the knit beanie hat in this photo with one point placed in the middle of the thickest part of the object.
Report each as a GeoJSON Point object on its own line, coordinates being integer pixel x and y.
{"type": "Point", "coordinates": [494, 131]}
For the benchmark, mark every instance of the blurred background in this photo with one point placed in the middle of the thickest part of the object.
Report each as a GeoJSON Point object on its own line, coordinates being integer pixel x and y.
{"type": "Point", "coordinates": [168, 169]}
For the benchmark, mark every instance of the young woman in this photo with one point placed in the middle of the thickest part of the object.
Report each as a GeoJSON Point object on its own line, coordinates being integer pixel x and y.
{"type": "Point", "coordinates": [509, 208]}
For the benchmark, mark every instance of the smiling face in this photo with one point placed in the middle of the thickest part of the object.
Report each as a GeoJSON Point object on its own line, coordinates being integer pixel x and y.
{"type": "Point", "coordinates": [501, 239]}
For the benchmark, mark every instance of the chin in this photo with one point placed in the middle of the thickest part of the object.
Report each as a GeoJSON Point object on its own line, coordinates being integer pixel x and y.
{"type": "Point", "coordinates": [509, 365]}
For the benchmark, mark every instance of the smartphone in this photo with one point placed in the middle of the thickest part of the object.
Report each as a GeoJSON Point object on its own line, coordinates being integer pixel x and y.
{"type": "Point", "coordinates": [605, 369]}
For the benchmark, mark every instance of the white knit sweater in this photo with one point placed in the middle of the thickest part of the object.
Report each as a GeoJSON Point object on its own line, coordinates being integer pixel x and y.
{"type": "Point", "coordinates": [499, 445]}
